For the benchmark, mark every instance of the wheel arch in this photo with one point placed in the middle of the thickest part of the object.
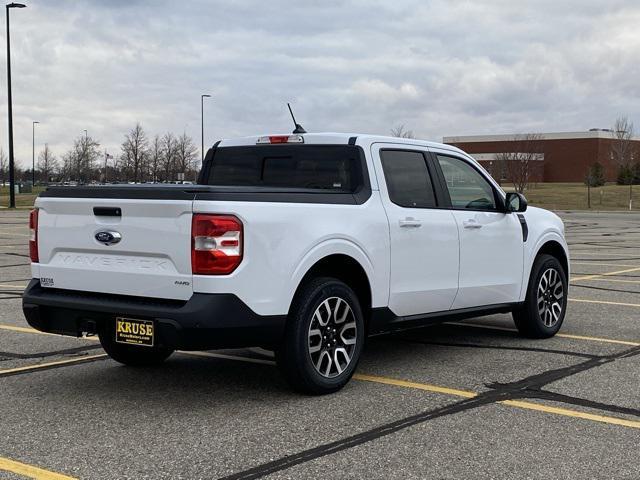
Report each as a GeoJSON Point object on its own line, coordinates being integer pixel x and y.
{"type": "Point", "coordinates": [550, 244]}
{"type": "Point", "coordinates": [347, 269]}
{"type": "Point", "coordinates": [555, 249]}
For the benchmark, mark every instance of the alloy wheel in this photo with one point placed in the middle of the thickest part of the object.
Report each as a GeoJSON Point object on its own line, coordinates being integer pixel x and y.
{"type": "Point", "coordinates": [550, 297]}
{"type": "Point", "coordinates": [332, 337]}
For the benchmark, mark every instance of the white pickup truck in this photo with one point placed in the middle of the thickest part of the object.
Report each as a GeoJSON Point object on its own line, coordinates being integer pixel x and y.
{"type": "Point", "coordinates": [304, 244]}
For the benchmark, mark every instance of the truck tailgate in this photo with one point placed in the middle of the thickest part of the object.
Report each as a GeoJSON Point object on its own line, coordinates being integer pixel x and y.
{"type": "Point", "coordinates": [151, 259]}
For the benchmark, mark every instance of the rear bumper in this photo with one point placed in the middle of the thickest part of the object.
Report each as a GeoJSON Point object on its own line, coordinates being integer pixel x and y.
{"type": "Point", "coordinates": [205, 321]}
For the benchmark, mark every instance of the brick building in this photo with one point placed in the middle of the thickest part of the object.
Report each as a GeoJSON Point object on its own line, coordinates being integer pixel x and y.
{"type": "Point", "coordinates": [562, 157]}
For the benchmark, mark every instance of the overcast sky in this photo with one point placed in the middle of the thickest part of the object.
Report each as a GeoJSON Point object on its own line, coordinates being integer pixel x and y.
{"type": "Point", "coordinates": [440, 67]}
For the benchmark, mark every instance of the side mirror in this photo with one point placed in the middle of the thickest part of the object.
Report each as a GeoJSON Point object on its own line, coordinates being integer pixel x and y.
{"type": "Point", "coordinates": [515, 202]}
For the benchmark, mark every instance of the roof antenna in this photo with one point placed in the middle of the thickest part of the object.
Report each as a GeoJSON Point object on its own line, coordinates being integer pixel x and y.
{"type": "Point", "coordinates": [298, 128]}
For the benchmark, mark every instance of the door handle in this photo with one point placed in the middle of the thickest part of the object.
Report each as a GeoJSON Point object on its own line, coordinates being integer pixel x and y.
{"type": "Point", "coordinates": [471, 224]}
{"type": "Point", "coordinates": [410, 223]}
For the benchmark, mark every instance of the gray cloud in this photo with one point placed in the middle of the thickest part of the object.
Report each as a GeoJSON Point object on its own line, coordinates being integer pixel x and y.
{"type": "Point", "coordinates": [440, 67]}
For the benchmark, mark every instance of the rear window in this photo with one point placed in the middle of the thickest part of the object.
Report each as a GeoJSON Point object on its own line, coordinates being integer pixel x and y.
{"type": "Point", "coordinates": [323, 167]}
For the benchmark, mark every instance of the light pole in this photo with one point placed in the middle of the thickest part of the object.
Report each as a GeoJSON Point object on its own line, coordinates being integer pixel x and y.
{"type": "Point", "coordinates": [33, 153]}
{"type": "Point", "coordinates": [12, 180]}
{"type": "Point", "coordinates": [202, 121]}
{"type": "Point", "coordinates": [106, 157]}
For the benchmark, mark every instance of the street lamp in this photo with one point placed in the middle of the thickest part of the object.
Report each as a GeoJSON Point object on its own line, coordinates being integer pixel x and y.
{"type": "Point", "coordinates": [33, 153]}
{"type": "Point", "coordinates": [202, 120]}
{"type": "Point", "coordinates": [106, 157]}
{"type": "Point", "coordinates": [12, 180]}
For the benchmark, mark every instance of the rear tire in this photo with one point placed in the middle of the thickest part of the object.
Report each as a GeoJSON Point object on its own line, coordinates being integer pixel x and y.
{"type": "Point", "coordinates": [132, 355]}
{"type": "Point", "coordinates": [323, 338]}
{"type": "Point", "coordinates": [545, 304]}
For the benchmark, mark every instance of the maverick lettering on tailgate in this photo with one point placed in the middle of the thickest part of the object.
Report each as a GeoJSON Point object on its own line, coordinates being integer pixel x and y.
{"type": "Point", "coordinates": [134, 332]}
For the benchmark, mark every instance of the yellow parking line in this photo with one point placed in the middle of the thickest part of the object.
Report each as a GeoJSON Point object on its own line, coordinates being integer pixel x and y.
{"type": "Point", "coordinates": [614, 280]}
{"type": "Point", "coordinates": [51, 364]}
{"type": "Point", "coordinates": [572, 413]}
{"type": "Point", "coordinates": [419, 386]}
{"type": "Point", "coordinates": [11, 285]}
{"type": "Point", "coordinates": [23, 329]}
{"type": "Point", "coordinates": [598, 339]}
{"type": "Point", "coordinates": [14, 234]}
{"type": "Point", "coordinates": [603, 302]}
{"type": "Point", "coordinates": [30, 471]}
{"type": "Point", "coordinates": [15, 328]}
{"type": "Point", "coordinates": [566, 412]}
{"type": "Point", "coordinates": [606, 274]}
{"type": "Point", "coordinates": [562, 335]}
{"type": "Point", "coordinates": [599, 264]}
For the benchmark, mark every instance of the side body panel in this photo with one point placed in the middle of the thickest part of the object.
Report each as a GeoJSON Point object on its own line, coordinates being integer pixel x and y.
{"type": "Point", "coordinates": [424, 251]}
{"type": "Point", "coordinates": [283, 240]}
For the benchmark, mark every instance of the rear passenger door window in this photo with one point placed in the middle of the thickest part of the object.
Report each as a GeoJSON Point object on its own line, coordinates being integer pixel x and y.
{"type": "Point", "coordinates": [468, 189]}
{"type": "Point", "coordinates": [407, 177]}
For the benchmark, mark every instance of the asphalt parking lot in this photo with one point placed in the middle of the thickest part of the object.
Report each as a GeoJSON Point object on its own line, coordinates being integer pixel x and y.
{"type": "Point", "coordinates": [461, 400]}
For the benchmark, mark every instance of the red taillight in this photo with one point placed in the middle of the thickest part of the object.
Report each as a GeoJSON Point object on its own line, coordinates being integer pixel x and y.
{"type": "Point", "coordinates": [216, 244]}
{"type": "Point", "coordinates": [33, 235]}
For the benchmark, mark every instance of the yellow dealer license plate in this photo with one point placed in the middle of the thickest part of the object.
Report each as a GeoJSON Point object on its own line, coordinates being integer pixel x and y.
{"type": "Point", "coordinates": [134, 332]}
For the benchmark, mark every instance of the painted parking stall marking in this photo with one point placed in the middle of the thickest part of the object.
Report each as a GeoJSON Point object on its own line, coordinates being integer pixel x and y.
{"type": "Point", "coordinates": [30, 471]}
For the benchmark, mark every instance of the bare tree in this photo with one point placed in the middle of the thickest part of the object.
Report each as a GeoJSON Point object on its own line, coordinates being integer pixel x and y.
{"type": "Point", "coordinates": [67, 166]}
{"type": "Point", "coordinates": [621, 145]}
{"type": "Point", "coordinates": [524, 161]}
{"type": "Point", "coordinates": [401, 132]}
{"type": "Point", "coordinates": [622, 152]}
{"type": "Point", "coordinates": [158, 158]}
{"type": "Point", "coordinates": [186, 152]}
{"type": "Point", "coordinates": [79, 162]}
{"type": "Point", "coordinates": [4, 169]}
{"type": "Point", "coordinates": [169, 152]}
{"type": "Point", "coordinates": [155, 158]}
{"type": "Point", "coordinates": [47, 162]}
{"type": "Point", "coordinates": [118, 170]}
{"type": "Point", "coordinates": [134, 152]}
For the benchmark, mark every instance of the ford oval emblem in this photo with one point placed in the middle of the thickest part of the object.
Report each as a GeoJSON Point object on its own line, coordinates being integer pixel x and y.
{"type": "Point", "coordinates": [108, 237]}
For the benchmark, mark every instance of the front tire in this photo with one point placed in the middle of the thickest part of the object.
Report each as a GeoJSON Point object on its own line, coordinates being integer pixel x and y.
{"type": "Point", "coordinates": [545, 304]}
{"type": "Point", "coordinates": [132, 355]}
{"type": "Point", "coordinates": [323, 338]}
